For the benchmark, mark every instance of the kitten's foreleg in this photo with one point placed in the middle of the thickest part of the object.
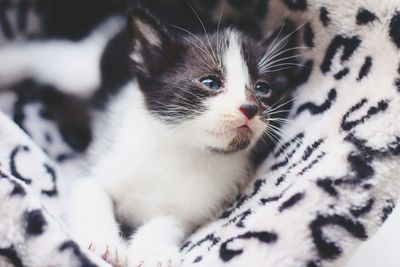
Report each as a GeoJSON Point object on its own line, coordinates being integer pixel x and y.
{"type": "Point", "coordinates": [157, 243]}
{"type": "Point", "coordinates": [92, 222]}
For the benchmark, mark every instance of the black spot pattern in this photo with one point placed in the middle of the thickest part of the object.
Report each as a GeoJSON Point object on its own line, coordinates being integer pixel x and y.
{"type": "Point", "coordinates": [350, 44]}
{"type": "Point", "coordinates": [365, 69]}
{"type": "Point", "coordinates": [308, 35]}
{"type": "Point", "coordinates": [365, 16]}
{"type": "Point", "coordinates": [341, 74]}
{"type": "Point", "coordinates": [348, 125]}
{"type": "Point", "coordinates": [307, 154]}
{"type": "Point", "coordinates": [397, 84]}
{"type": "Point", "coordinates": [394, 29]}
{"type": "Point", "coordinates": [295, 140]}
{"type": "Point", "coordinates": [327, 185]}
{"type": "Point", "coordinates": [387, 210]}
{"type": "Point", "coordinates": [318, 109]}
{"type": "Point", "coordinates": [36, 222]}
{"type": "Point", "coordinates": [324, 16]}
{"type": "Point", "coordinates": [298, 5]}
{"type": "Point", "coordinates": [51, 171]}
{"type": "Point", "coordinates": [293, 200]}
{"type": "Point", "coordinates": [359, 211]}
{"type": "Point", "coordinates": [13, 164]}
{"type": "Point", "coordinates": [212, 239]}
{"type": "Point", "coordinates": [328, 249]}
{"type": "Point", "coordinates": [312, 164]}
{"type": "Point", "coordinates": [240, 219]}
{"type": "Point", "coordinates": [226, 254]}
{"type": "Point", "coordinates": [11, 255]}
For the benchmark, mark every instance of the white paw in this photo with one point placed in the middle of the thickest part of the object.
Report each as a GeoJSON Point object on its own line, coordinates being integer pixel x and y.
{"type": "Point", "coordinates": [154, 257]}
{"type": "Point", "coordinates": [114, 254]}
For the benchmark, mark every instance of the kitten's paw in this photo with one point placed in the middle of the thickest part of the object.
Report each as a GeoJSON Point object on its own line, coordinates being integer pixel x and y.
{"type": "Point", "coordinates": [163, 257]}
{"type": "Point", "coordinates": [114, 254]}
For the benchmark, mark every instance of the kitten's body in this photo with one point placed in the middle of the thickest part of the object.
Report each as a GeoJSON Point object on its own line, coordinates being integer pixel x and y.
{"type": "Point", "coordinates": [148, 164]}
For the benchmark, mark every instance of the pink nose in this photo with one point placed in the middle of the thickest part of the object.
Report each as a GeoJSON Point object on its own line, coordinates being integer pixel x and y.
{"type": "Point", "coordinates": [249, 110]}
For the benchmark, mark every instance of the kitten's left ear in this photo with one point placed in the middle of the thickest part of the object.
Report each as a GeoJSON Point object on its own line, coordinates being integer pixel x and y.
{"type": "Point", "coordinates": [150, 42]}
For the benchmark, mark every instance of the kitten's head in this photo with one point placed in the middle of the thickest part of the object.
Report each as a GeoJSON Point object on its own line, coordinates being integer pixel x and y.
{"type": "Point", "coordinates": [216, 91]}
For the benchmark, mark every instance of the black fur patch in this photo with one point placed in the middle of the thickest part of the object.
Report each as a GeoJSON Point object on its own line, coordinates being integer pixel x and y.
{"type": "Point", "coordinates": [318, 109]}
{"type": "Point", "coordinates": [298, 5]}
{"type": "Point", "coordinates": [76, 251]}
{"type": "Point", "coordinates": [365, 69]}
{"type": "Point", "coordinates": [328, 249]}
{"type": "Point", "coordinates": [324, 16]}
{"type": "Point", "coordinates": [293, 200]}
{"type": "Point", "coordinates": [22, 14]}
{"type": "Point", "coordinates": [304, 73]}
{"type": "Point", "coordinates": [227, 254]}
{"type": "Point", "coordinates": [365, 16]}
{"type": "Point", "coordinates": [11, 255]}
{"type": "Point", "coordinates": [394, 29]}
{"type": "Point", "coordinates": [308, 35]}
{"type": "Point", "coordinates": [36, 223]}
{"type": "Point", "coordinates": [239, 3]}
{"type": "Point", "coordinates": [350, 44]}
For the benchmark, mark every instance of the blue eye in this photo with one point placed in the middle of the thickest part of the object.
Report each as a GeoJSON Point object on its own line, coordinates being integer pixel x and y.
{"type": "Point", "coordinates": [263, 88]}
{"type": "Point", "coordinates": [211, 83]}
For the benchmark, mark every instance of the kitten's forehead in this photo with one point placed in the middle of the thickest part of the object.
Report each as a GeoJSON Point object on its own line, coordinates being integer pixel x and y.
{"type": "Point", "coordinates": [237, 76]}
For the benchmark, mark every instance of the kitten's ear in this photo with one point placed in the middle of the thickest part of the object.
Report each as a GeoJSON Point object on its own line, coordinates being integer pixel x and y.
{"type": "Point", "coordinates": [149, 41]}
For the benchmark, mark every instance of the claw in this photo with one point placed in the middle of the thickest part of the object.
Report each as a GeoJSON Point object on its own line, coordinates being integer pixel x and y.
{"type": "Point", "coordinates": [105, 255]}
{"type": "Point", "coordinates": [92, 247]}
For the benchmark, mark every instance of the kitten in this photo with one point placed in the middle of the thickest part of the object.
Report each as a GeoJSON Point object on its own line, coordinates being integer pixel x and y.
{"type": "Point", "coordinates": [177, 140]}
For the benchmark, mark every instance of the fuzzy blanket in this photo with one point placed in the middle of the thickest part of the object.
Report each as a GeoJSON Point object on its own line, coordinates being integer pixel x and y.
{"type": "Point", "coordinates": [329, 185]}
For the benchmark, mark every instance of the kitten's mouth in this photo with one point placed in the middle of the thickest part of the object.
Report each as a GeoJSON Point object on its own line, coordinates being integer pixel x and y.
{"type": "Point", "coordinates": [244, 130]}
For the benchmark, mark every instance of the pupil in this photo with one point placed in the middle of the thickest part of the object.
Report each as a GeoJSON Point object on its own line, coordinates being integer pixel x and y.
{"type": "Point", "coordinates": [262, 88]}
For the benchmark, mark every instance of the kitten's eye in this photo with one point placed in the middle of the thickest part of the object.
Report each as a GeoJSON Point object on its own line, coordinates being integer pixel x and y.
{"type": "Point", "coordinates": [211, 83]}
{"type": "Point", "coordinates": [263, 88]}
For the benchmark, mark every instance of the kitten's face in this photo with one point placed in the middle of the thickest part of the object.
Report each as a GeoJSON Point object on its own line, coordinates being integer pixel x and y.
{"type": "Point", "coordinates": [213, 90]}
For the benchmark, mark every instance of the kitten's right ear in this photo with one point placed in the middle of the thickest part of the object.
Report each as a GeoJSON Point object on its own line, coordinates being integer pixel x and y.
{"type": "Point", "coordinates": [149, 41]}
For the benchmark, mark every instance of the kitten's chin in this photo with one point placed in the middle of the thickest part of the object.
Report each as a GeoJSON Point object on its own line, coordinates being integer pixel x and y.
{"type": "Point", "coordinates": [241, 140]}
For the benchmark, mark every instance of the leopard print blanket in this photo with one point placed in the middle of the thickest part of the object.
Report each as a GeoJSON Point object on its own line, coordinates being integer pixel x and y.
{"type": "Point", "coordinates": [328, 186]}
